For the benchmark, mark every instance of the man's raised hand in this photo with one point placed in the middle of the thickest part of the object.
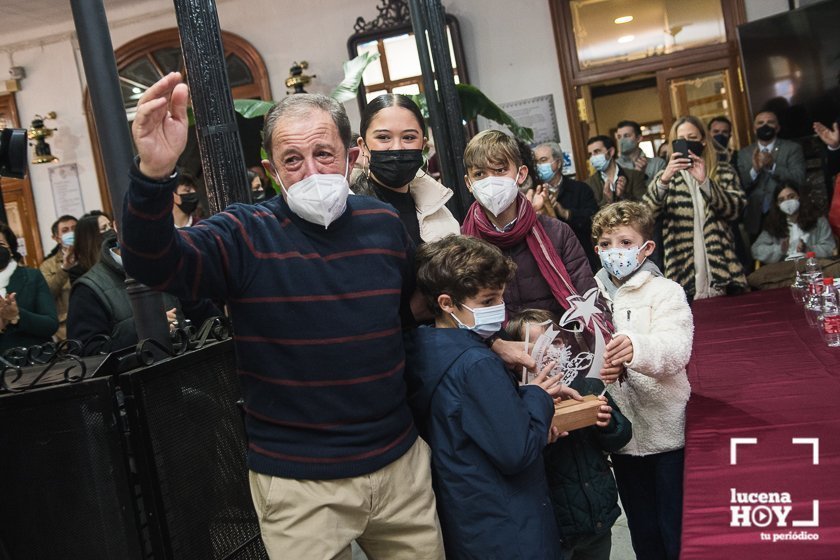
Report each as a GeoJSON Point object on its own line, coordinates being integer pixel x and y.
{"type": "Point", "coordinates": [160, 126]}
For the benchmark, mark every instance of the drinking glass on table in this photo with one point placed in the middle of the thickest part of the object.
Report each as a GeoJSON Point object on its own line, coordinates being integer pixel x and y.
{"type": "Point", "coordinates": [799, 288]}
{"type": "Point", "coordinates": [813, 305]}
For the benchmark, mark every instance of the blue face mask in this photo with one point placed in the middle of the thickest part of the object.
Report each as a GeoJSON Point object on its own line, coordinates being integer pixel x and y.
{"type": "Point", "coordinates": [67, 239]}
{"type": "Point", "coordinates": [545, 172]}
{"type": "Point", "coordinates": [488, 320]}
{"type": "Point", "coordinates": [600, 162]}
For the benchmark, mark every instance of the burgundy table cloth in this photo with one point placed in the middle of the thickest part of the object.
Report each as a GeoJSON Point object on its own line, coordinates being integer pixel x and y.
{"type": "Point", "coordinates": [758, 372]}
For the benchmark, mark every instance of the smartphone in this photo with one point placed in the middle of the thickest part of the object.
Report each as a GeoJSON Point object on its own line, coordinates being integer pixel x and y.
{"type": "Point", "coordinates": [681, 146]}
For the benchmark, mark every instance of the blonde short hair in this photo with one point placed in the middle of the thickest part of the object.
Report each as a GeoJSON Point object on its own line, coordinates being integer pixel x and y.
{"type": "Point", "coordinates": [623, 213]}
{"type": "Point", "coordinates": [491, 147]}
{"type": "Point", "coordinates": [515, 327]}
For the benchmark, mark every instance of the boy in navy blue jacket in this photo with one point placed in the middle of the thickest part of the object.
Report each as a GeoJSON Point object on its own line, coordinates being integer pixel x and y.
{"type": "Point", "coordinates": [486, 432]}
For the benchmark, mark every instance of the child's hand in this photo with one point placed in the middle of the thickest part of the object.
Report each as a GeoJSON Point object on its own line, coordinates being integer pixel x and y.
{"type": "Point", "coordinates": [567, 392]}
{"type": "Point", "coordinates": [609, 374]}
{"type": "Point", "coordinates": [604, 413]}
{"type": "Point", "coordinates": [619, 351]}
{"type": "Point", "coordinates": [513, 354]}
{"type": "Point", "coordinates": [550, 385]}
{"type": "Point", "coordinates": [554, 434]}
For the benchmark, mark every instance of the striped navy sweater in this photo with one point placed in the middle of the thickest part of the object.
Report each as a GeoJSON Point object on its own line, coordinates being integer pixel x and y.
{"type": "Point", "coordinates": [316, 315]}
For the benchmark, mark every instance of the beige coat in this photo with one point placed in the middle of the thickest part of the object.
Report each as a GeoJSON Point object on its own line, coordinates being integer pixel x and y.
{"type": "Point", "coordinates": [430, 197]}
{"type": "Point", "coordinates": [59, 284]}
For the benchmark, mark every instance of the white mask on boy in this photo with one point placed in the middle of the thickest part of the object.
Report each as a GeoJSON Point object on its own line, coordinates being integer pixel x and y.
{"type": "Point", "coordinates": [495, 194]}
{"type": "Point", "coordinates": [620, 262]}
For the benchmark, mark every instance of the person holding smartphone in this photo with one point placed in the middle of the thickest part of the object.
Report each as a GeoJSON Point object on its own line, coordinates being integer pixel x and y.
{"type": "Point", "coordinates": [696, 196]}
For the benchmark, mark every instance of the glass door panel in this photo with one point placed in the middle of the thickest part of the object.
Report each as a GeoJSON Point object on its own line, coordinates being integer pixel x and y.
{"type": "Point", "coordinates": [704, 95]}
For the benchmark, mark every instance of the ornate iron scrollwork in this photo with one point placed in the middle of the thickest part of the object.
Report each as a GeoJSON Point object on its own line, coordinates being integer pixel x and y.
{"type": "Point", "coordinates": [66, 354]}
{"type": "Point", "coordinates": [50, 355]}
{"type": "Point", "coordinates": [100, 342]}
{"type": "Point", "coordinates": [183, 340]}
{"type": "Point", "coordinates": [392, 13]}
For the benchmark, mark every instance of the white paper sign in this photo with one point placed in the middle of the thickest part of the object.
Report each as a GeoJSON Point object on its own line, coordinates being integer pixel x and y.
{"type": "Point", "coordinates": [536, 113]}
{"type": "Point", "coordinates": [66, 190]}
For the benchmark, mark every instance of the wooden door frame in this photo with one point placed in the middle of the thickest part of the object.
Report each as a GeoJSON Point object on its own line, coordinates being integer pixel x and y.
{"type": "Point", "coordinates": [573, 77]}
{"type": "Point", "coordinates": [134, 49]}
{"type": "Point", "coordinates": [20, 190]}
{"type": "Point", "coordinates": [740, 113]}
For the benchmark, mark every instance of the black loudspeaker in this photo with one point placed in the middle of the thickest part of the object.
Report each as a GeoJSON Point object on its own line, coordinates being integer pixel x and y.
{"type": "Point", "coordinates": [187, 435]}
{"type": "Point", "coordinates": [64, 481]}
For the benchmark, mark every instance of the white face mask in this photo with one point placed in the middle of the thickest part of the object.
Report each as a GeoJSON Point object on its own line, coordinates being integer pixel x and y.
{"type": "Point", "coordinates": [488, 320]}
{"type": "Point", "coordinates": [621, 263]}
{"type": "Point", "coordinates": [320, 199]}
{"type": "Point", "coordinates": [789, 207]}
{"type": "Point", "coordinates": [496, 194]}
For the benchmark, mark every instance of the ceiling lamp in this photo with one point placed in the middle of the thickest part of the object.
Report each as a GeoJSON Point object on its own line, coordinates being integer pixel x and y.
{"type": "Point", "coordinates": [624, 19]}
{"type": "Point", "coordinates": [626, 38]}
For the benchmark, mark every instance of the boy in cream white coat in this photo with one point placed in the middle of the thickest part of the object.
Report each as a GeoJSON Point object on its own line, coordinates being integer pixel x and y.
{"type": "Point", "coordinates": [654, 333]}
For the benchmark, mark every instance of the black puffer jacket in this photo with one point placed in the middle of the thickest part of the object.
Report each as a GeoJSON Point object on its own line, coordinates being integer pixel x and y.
{"type": "Point", "coordinates": [580, 482]}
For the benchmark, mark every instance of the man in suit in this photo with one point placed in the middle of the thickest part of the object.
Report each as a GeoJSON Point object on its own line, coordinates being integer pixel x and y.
{"type": "Point", "coordinates": [763, 165]}
{"type": "Point", "coordinates": [611, 182]}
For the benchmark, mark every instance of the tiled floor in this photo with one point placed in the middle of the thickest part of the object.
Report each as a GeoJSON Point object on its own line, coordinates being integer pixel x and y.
{"type": "Point", "coordinates": [621, 547]}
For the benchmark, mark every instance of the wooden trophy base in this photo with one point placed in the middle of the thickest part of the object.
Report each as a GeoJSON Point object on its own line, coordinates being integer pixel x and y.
{"type": "Point", "coordinates": [571, 414]}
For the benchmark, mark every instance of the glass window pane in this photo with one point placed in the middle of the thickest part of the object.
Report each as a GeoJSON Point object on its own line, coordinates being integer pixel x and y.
{"type": "Point", "coordinates": [371, 95]}
{"type": "Point", "coordinates": [169, 59]}
{"type": "Point", "coordinates": [401, 52]}
{"type": "Point", "coordinates": [610, 31]}
{"type": "Point", "coordinates": [130, 93]}
{"type": "Point", "coordinates": [410, 89]}
{"type": "Point", "coordinates": [703, 96]}
{"type": "Point", "coordinates": [238, 73]}
{"type": "Point", "coordinates": [451, 49]}
{"type": "Point", "coordinates": [142, 72]}
{"type": "Point", "coordinates": [373, 73]}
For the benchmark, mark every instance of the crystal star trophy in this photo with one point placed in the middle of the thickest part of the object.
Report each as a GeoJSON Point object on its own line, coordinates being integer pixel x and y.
{"type": "Point", "coordinates": [559, 344]}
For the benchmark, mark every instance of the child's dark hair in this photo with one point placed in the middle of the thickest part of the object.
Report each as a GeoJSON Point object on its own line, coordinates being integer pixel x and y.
{"type": "Point", "coordinates": [390, 100]}
{"type": "Point", "coordinates": [776, 222]}
{"type": "Point", "coordinates": [515, 327]}
{"type": "Point", "coordinates": [11, 241]}
{"type": "Point", "coordinates": [460, 266]}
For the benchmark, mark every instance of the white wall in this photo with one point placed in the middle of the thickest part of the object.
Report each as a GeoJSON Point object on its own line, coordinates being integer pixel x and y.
{"type": "Point", "coordinates": [509, 58]}
{"type": "Point", "coordinates": [55, 77]}
{"type": "Point", "coordinates": [504, 62]}
{"type": "Point", "coordinates": [510, 52]}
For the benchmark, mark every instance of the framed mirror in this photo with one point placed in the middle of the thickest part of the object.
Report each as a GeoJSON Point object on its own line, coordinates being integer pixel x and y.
{"type": "Point", "coordinates": [398, 68]}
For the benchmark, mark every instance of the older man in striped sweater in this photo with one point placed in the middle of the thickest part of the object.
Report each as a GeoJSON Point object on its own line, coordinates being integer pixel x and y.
{"type": "Point", "coordinates": [316, 282]}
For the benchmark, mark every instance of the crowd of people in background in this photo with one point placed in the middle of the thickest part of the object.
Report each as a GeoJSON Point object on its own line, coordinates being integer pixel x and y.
{"type": "Point", "coordinates": [315, 278]}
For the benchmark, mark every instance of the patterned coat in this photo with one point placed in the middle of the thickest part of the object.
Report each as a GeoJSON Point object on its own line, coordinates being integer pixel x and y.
{"type": "Point", "coordinates": [724, 203]}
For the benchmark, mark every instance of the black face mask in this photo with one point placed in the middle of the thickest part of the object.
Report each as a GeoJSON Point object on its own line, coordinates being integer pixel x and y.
{"type": "Point", "coordinates": [258, 196]}
{"type": "Point", "coordinates": [189, 202]}
{"type": "Point", "coordinates": [766, 132]}
{"type": "Point", "coordinates": [395, 168]}
{"type": "Point", "coordinates": [5, 257]}
{"type": "Point", "coordinates": [722, 139]}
